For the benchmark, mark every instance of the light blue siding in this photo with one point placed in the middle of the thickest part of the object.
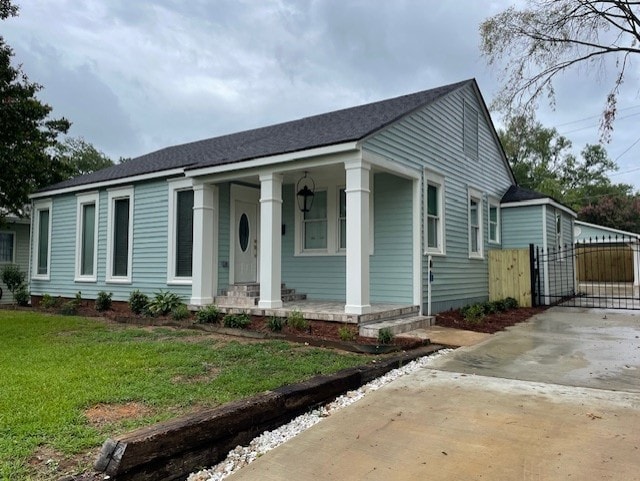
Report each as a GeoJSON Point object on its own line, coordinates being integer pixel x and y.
{"type": "Point", "coordinates": [521, 226]}
{"type": "Point", "coordinates": [21, 255]}
{"type": "Point", "coordinates": [433, 138]}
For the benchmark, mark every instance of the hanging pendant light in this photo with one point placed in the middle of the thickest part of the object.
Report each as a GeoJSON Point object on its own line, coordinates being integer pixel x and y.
{"type": "Point", "coordinates": [306, 188]}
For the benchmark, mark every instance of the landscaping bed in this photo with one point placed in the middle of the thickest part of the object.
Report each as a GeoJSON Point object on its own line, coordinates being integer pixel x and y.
{"type": "Point", "coordinates": [490, 323]}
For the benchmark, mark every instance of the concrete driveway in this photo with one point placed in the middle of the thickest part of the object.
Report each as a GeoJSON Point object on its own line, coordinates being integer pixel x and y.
{"type": "Point", "coordinates": [556, 398]}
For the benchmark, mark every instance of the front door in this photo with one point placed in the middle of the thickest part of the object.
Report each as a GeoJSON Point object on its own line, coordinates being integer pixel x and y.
{"type": "Point", "coordinates": [245, 238]}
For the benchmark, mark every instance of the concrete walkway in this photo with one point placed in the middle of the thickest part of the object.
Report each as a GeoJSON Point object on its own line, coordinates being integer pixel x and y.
{"type": "Point", "coordinates": [556, 398]}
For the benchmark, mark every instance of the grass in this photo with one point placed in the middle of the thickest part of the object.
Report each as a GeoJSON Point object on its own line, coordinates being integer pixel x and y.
{"type": "Point", "coordinates": [55, 367]}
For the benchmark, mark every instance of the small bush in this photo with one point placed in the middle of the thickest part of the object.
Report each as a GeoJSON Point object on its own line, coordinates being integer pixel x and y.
{"type": "Point", "coordinates": [163, 303]}
{"type": "Point", "coordinates": [138, 302]}
{"type": "Point", "coordinates": [296, 321]}
{"type": "Point", "coordinates": [22, 296]}
{"type": "Point", "coordinates": [511, 303]}
{"type": "Point", "coordinates": [208, 314]}
{"type": "Point", "coordinates": [385, 336]}
{"type": "Point", "coordinates": [180, 313]}
{"type": "Point", "coordinates": [70, 308]}
{"type": "Point", "coordinates": [238, 321]}
{"type": "Point", "coordinates": [474, 313]}
{"type": "Point", "coordinates": [12, 277]}
{"type": "Point", "coordinates": [499, 306]}
{"type": "Point", "coordinates": [346, 333]}
{"type": "Point", "coordinates": [489, 308]}
{"type": "Point", "coordinates": [103, 301]}
{"type": "Point", "coordinates": [49, 302]}
{"type": "Point", "coordinates": [275, 324]}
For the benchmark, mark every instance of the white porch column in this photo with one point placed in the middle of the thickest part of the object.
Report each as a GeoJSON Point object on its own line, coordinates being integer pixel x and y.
{"type": "Point", "coordinates": [357, 192]}
{"type": "Point", "coordinates": [270, 240]}
{"type": "Point", "coordinates": [636, 263]}
{"type": "Point", "coordinates": [205, 244]}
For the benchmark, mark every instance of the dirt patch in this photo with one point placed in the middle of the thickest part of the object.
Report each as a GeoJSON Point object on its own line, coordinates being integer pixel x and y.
{"type": "Point", "coordinates": [490, 323]}
{"type": "Point", "coordinates": [102, 414]}
{"type": "Point", "coordinates": [46, 463]}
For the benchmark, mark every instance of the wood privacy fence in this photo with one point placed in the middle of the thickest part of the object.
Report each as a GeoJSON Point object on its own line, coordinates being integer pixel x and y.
{"type": "Point", "coordinates": [510, 275]}
{"type": "Point", "coordinates": [604, 263]}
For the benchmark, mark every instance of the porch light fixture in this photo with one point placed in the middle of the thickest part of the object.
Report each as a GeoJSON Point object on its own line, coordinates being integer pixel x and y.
{"type": "Point", "coordinates": [306, 188]}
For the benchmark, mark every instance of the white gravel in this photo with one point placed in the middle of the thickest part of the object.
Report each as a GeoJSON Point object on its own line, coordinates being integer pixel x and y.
{"type": "Point", "coordinates": [243, 455]}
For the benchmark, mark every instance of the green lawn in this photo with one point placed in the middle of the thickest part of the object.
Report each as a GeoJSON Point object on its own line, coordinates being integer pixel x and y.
{"type": "Point", "coordinates": [52, 368]}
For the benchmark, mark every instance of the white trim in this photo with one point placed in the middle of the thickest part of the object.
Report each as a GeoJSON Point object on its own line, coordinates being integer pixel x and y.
{"type": "Point", "coordinates": [250, 195]}
{"type": "Point", "coordinates": [109, 183]}
{"type": "Point", "coordinates": [545, 201]}
{"type": "Point", "coordinates": [391, 166]}
{"type": "Point", "coordinates": [13, 247]}
{"type": "Point", "coordinates": [545, 249]}
{"type": "Point", "coordinates": [273, 159]}
{"type": "Point", "coordinates": [608, 229]}
{"type": "Point", "coordinates": [205, 244]}
{"type": "Point", "coordinates": [417, 247]}
{"type": "Point", "coordinates": [175, 186]}
{"type": "Point", "coordinates": [438, 181]}
{"type": "Point", "coordinates": [113, 195]}
{"type": "Point", "coordinates": [558, 222]}
{"type": "Point", "coordinates": [39, 206]}
{"type": "Point", "coordinates": [493, 202]}
{"type": "Point", "coordinates": [83, 200]}
{"type": "Point", "coordinates": [476, 195]}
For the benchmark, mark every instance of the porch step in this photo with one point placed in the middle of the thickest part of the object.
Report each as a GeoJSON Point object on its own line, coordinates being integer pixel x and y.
{"type": "Point", "coordinates": [396, 326]}
{"type": "Point", "coordinates": [248, 295]}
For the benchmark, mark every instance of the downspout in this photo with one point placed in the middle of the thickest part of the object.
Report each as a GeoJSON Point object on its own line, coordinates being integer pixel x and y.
{"type": "Point", "coordinates": [429, 278]}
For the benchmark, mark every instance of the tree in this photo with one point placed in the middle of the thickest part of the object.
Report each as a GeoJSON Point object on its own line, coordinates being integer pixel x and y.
{"type": "Point", "coordinates": [79, 157]}
{"type": "Point", "coordinates": [619, 212]}
{"type": "Point", "coordinates": [538, 42]}
{"type": "Point", "coordinates": [27, 133]}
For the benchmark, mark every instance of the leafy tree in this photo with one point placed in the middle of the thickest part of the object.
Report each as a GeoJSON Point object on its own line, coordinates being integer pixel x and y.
{"type": "Point", "coordinates": [27, 133]}
{"type": "Point", "coordinates": [544, 38]}
{"type": "Point", "coordinates": [80, 157]}
{"type": "Point", "coordinates": [620, 212]}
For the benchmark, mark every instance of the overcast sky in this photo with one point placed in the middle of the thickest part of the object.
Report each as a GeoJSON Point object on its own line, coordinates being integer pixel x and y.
{"type": "Point", "coordinates": [136, 76]}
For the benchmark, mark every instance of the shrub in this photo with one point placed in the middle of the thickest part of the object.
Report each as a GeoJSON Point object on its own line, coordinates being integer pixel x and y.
{"type": "Point", "coordinates": [510, 303]}
{"type": "Point", "coordinates": [13, 278]}
{"type": "Point", "coordinates": [208, 314]}
{"type": "Point", "coordinates": [474, 313]}
{"type": "Point", "coordinates": [22, 296]}
{"type": "Point", "coordinates": [180, 312]}
{"type": "Point", "coordinates": [240, 321]}
{"type": "Point", "coordinates": [346, 333]}
{"type": "Point", "coordinates": [296, 321]}
{"type": "Point", "coordinates": [500, 306]}
{"type": "Point", "coordinates": [489, 308]}
{"type": "Point", "coordinates": [163, 303]}
{"type": "Point", "coordinates": [103, 301]}
{"type": "Point", "coordinates": [385, 336]}
{"type": "Point", "coordinates": [70, 308]}
{"type": "Point", "coordinates": [138, 302]}
{"type": "Point", "coordinates": [49, 302]}
{"type": "Point", "coordinates": [275, 324]}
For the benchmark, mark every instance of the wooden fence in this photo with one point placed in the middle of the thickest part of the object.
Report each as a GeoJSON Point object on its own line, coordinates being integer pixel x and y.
{"type": "Point", "coordinates": [510, 275]}
{"type": "Point", "coordinates": [604, 263]}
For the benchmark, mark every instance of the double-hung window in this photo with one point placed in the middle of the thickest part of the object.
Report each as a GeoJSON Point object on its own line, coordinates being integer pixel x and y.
{"type": "Point", "coordinates": [494, 222]}
{"type": "Point", "coordinates": [120, 235]}
{"type": "Point", "coordinates": [179, 262]}
{"type": "Point", "coordinates": [475, 225]}
{"type": "Point", "coordinates": [434, 227]}
{"type": "Point", "coordinates": [42, 240]}
{"type": "Point", "coordinates": [342, 219]}
{"type": "Point", "coordinates": [7, 247]}
{"type": "Point", "coordinates": [314, 223]}
{"type": "Point", "coordinates": [87, 237]}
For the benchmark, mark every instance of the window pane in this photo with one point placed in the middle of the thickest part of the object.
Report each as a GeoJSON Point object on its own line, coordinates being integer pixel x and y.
{"type": "Point", "coordinates": [493, 214]}
{"type": "Point", "coordinates": [343, 203]}
{"type": "Point", "coordinates": [492, 231]}
{"type": "Point", "coordinates": [432, 200]}
{"type": "Point", "coordinates": [473, 212]}
{"type": "Point", "coordinates": [6, 246]}
{"type": "Point", "coordinates": [319, 207]}
{"type": "Point", "coordinates": [474, 239]}
{"type": "Point", "coordinates": [43, 241]}
{"type": "Point", "coordinates": [121, 238]}
{"type": "Point", "coordinates": [315, 234]}
{"type": "Point", "coordinates": [184, 233]}
{"type": "Point", "coordinates": [343, 233]}
{"type": "Point", "coordinates": [432, 232]}
{"type": "Point", "coordinates": [88, 238]}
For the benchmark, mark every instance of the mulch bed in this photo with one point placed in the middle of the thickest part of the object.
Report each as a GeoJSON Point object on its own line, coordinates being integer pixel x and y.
{"type": "Point", "coordinates": [490, 323]}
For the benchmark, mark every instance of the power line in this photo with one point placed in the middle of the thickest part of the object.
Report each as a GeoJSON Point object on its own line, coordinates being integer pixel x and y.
{"type": "Point", "coordinates": [595, 125]}
{"type": "Point", "coordinates": [594, 116]}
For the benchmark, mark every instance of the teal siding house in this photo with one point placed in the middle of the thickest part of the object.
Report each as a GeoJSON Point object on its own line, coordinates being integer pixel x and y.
{"type": "Point", "coordinates": [14, 249]}
{"type": "Point", "coordinates": [393, 203]}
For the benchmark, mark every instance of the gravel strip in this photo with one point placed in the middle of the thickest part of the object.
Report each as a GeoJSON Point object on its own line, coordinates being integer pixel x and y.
{"type": "Point", "coordinates": [243, 455]}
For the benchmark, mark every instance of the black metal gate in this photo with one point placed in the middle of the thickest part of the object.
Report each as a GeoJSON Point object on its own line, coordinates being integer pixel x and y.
{"type": "Point", "coordinates": [597, 272]}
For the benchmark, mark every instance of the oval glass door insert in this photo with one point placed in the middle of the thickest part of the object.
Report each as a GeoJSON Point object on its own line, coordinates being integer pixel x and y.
{"type": "Point", "coordinates": [243, 232]}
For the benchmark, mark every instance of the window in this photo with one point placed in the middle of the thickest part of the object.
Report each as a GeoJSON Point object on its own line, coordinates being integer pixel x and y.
{"type": "Point", "coordinates": [7, 247]}
{"type": "Point", "coordinates": [434, 213]}
{"type": "Point", "coordinates": [475, 225]}
{"type": "Point", "coordinates": [558, 230]}
{"type": "Point", "coordinates": [42, 237]}
{"type": "Point", "coordinates": [120, 235]}
{"type": "Point", "coordinates": [494, 222]}
{"type": "Point", "coordinates": [87, 238]}
{"type": "Point", "coordinates": [342, 219]}
{"type": "Point", "coordinates": [184, 233]}
{"type": "Point", "coordinates": [470, 131]}
{"type": "Point", "coordinates": [314, 223]}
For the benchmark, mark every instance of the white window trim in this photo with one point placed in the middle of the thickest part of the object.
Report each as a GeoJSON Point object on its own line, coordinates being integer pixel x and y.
{"type": "Point", "coordinates": [13, 249]}
{"type": "Point", "coordinates": [175, 186]}
{"type": "Point", "coordinates": [493, 202]}
{"type": "Point", "coordinates": [476, 195]}
{"type": "Point", "coordinates": [558, 222]}
{"type": "Point", "coordinates": [113, 195]}
{"type": "Point", "coordinates": [82, 200]}
{"type": "Point", "coordinates": [37, 208]}
{"type": "Point", "coordinates": [432, 178]}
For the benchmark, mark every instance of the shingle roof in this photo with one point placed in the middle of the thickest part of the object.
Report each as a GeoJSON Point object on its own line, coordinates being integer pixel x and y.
{"type": "Point", "coordinates": [322, 130]}
{"type": "Point", "coordinates": [520, 194]}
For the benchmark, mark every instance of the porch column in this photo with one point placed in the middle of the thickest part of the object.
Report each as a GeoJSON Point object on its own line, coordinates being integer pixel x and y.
{"type": "Point", "coordinates": [270, 240]}
{"type": "Point", "coordinates": [635, 246]}
{"type": "Point", "coordinates": [205, 242]}
{"type": "Point", "coordinates": [357, 193]}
